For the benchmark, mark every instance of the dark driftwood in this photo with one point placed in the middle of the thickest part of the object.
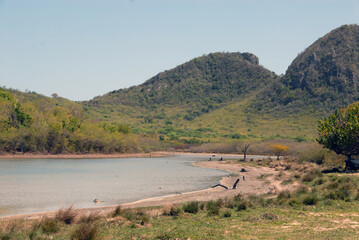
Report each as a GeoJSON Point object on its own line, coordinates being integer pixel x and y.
{"type": "Point", "coordinates": [235, 184]}
{"type": "Point", "coordinates": [220, 185]}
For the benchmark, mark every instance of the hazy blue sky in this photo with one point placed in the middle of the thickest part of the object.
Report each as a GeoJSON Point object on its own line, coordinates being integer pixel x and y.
{"type": "Point", "coordinates": [84, 48]}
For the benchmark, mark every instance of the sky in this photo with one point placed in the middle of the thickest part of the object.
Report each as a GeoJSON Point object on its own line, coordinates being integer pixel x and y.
{"type": "Point", "coordinates": [81, 49]}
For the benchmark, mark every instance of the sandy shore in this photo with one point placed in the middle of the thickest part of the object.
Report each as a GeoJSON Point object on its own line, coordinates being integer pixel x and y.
{"type": "Point", "coordinates": [250, 183]}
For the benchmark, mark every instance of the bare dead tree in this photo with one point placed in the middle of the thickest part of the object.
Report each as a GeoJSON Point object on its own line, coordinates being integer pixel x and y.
{"type": "Point", "coordinates": [245, 151]}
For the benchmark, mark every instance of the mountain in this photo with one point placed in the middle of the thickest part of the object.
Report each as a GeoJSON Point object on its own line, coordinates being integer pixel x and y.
{"type": "Point", "coordinates": [226, 94]}
{"type": "Point", "coordinates": [325, 76]}
{"type": "Point", "coordinates": [203, 83]}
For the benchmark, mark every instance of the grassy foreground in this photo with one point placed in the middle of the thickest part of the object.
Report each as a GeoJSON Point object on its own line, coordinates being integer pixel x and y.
{"type": "Point", "coordinates": [337, 221]}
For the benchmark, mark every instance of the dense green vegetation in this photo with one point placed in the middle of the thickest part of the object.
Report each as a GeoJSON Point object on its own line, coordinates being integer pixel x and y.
{"type": "Point", "coordinates": [33, 123]}
{"type": "Point", "coordinates": [228, 95]}
{"type": "Point", "coordinates": [340, 131]}
{"type": "Point", "coordinates": [202, 84]}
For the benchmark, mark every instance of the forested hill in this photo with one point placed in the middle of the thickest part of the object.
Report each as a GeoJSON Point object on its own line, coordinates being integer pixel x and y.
{"type": "Point", "coordinates": [204, 82]}
{"type": "Point", "coordinates": [323, 77]}
{"type": "Point", "coordinates": [30, 122]}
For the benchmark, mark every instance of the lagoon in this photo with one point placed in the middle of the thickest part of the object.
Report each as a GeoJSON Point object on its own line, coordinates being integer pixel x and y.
{"type": "Point", "coordinates": [39, 185]}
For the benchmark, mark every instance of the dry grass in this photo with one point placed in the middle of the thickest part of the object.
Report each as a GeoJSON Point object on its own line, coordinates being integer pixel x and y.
{"type": "Point", "coordinates": [67, 215]}
{"type": "Point", "coordinates": [85, 231]}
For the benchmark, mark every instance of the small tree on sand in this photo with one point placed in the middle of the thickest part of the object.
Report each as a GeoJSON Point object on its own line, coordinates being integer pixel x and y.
{"type": "Point", "coordinates": [278, 149]}
{"type": "Point", "coordinates": [340, 132]}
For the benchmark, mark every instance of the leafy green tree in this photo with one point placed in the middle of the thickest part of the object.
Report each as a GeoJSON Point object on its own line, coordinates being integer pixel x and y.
{"type": "Point", "coordinates": [340, 132]}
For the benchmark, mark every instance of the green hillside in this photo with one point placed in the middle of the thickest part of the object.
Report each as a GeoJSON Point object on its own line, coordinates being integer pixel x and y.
{"type": "Point", "coordinates": [217, 97]}
{"type": "Point", "coordinates": [30, 122]}
{"type": "Point", "coordinates": [229, 95]}
{"type": "Point", "coordinates": [203, 83]}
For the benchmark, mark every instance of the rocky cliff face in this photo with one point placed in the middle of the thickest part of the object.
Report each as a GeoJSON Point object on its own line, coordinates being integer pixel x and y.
{"type": "Point", "coordinates": [328, 66]}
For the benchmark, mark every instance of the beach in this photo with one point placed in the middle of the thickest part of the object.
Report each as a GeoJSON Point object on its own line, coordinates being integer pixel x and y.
{"type": "Point", "coordinates": [250, 182]}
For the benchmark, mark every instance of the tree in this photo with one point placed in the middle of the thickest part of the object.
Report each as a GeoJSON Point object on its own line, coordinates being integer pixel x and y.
{"type": "Point", "coordinates": [278, 149]}
{"type": "Point", "coordinates": [245, 152]}
{"type": "Point", "coordinates": [340, 132]}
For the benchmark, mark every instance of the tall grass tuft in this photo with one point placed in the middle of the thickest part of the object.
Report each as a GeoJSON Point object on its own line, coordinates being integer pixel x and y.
{"type": "Point", "coordinates": [67, 215]}
{"type": "Point", "coordinates": [212, 207]}
{"type": "Point", "coordinates": [85, 231]}
{"type": "Point", "coordinates": [49, 225]}
{"type": "Point", "coordinates": [117, 211]}
{"type": "Point", "coordinates": [191, 207]}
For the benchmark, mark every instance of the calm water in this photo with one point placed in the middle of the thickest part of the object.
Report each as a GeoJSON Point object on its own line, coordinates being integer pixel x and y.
{"type": "Point", "coordinates": [36, 185]}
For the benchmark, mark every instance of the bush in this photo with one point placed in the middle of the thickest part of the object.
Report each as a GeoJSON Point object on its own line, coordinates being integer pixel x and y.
{"type": "Point", "coordinates": [319, 181]}
{"type": "Point", "coordinates": [242, 206]}
{"type": "Point", "coordinates": [308, 177]}
{"type": "Point", "coordinates": [212, 207]}
{"type": "Point", "coordinates": [227, 213]}
{"type": "Point", "coordinates": [284, 195]}
{"type": "Point", "coordinates": [86, 231]}
{"type": "Point", "coordinates": [175, 211]}
{"type": "Point", "coordinates": [293, 202]}
{"type": "Point", "coordinates": [190, 207]}
{"type": "Point", "coordinates": [49, 225]}
{"type": "Point", "coordinates": [66, 215]}
{"type": "Point", "coordinates": [129, 214]}
{"type": "Point", "coordinates": [142, 216]}
{"type": "Point", "coordinates": [117, 211]}
{"type": "Point", "coordinates": [333, 185]}
{"type": "Point", "coordinates": [310, 200]}
{"type": "Point", "coordinates": [301, 190]}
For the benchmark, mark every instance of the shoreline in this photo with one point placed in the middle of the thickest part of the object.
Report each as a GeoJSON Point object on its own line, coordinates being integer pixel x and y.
{"type": "Point", "coordinates": [251, 186]}
{"type": "Point", "coordinates": [82, 156]}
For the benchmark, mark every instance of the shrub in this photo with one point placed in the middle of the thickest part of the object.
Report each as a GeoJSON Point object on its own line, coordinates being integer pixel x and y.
{"type": "Point", "coordinates": [190, 207]}
{"type": "Point", "coordinates": [66, 215]}
{"type": "Point", "coordinates": [117, 211]}
{"type": "Point", "coordinates": [142, 216]}
{"type": "Point", "coordinates": [308, 177]}
{"type": "Point", "coordinates": [128, 214]}
{"type": "Point", "coordinates": [310, 200]}
{"type": "Point", "coordinates": [86, 231]}
{"type": "Point", "coordinates": [333, 185]}
{"type": "Point", "coordinates": [49, 225]}
{"type": "Point", "coordinates": [175, 211]}
{"type": "Point", "coordinates": [301, 190]}
{"type": "Point", "coordinates": [242, 206]}
{"type": "Point", "coordinates": [212, 207]}
{"type": "Point", "coordinates": [284, 195]}
{"type": "Point", "coordinates": [319, 181]}
{"type": "Point", "coordinates": [227, 213]}
{"type": "Point", "coordinates": [293, 202]}
{"type": "Point", "coordinates": [231, 203]}
{"type": "Point", "coordinates": [238, 197]}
